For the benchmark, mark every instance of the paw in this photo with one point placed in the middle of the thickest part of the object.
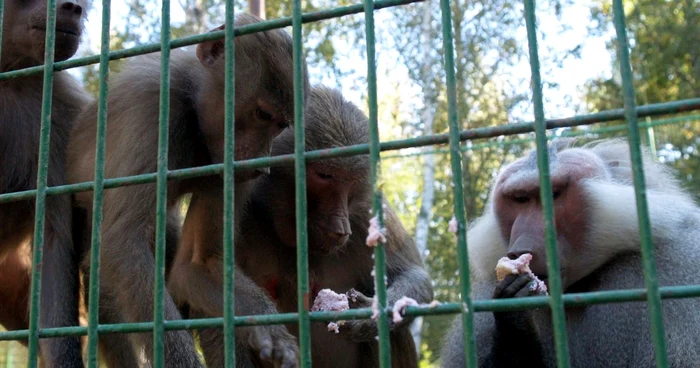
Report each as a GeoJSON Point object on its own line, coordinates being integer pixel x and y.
{"type": "Point", "coordinates": [358, 300]}
{"type": "Point", "coordinates": [359, 330]}
{"type": "Point", "coordinates": [517, 286]}
{"type": "Point", "coordinates": [275, 345]}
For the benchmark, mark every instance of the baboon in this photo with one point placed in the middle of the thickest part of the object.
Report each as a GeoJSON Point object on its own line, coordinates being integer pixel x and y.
{"type": "Point", "coordinates": [263, 108]}
{"type": "Point", "coordinates": [24, 32]}
{"type": "Point", "coordinates": [598, 248]}
{"type": "Point", "coordinates": [338, 194]}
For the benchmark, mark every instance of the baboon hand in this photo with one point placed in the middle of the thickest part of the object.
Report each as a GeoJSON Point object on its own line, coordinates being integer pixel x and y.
{"type": "Point", "coordinates": [276, 345]}
{"type": "Point", "coordinates": [516, 286]}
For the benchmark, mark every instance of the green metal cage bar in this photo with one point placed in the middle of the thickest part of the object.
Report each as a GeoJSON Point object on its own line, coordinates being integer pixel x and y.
{"type": "Point", "coordinates": [653, 293]}
{"type": "Point", "coordinates": [482, 305]}
{"type": "Point", "coordinates": [2, 11]}
{"type": "Point", "coordinates": [566, 134]}
{"type": "Point", "coordinates": [300, 191]}
{"type": "Point", "coordinates": [162, 188]}
{"type": "Point", "coordinates": [458, 189]}
{"type": "Point", "coordinates": [229, 187]}
{"type": "Point", "coordinates": [360, 149]}
{"type": "Point", "coordinates": [41, 184]}
{"type": "Point", "coordinates": [652, 283]}
{"type": "Point", "coordinates": [553, 271]}
{"type": "Point", "coordinates": [376, 180]}
{"type": "Point", "coordinates": [94, 294]}
{"type": "Point", "coordinates": [192, 40]}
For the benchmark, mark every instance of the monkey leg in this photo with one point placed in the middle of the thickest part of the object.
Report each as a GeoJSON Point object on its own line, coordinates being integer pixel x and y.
{"type": "Point", "coordinates": [59, 286]}
{"type": "Point", "coordinates": [116, 350]}
{"type": "Point", "coordinates": [198, 288]}
{"type": "Point", "coordinates": [137, 269]}
{"type": "Point", "coordinates": [127, 270]}
{"type": "Point", "coordinates": [212, 343]}
{"type": "Point", "coordinates": [15, 280]}
{"type": "Point", "coordinates": [403, 348]}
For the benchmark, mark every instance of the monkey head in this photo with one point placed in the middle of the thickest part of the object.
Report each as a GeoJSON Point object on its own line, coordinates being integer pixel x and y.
{"type": "Point", "coordinates": [24, 31]}
{"type": "Point", "coordinates": [338, 189]}
{"type": "Point", "coordinates": [264, 98]}
{"type": "Point", "coordinates": [518, 210]}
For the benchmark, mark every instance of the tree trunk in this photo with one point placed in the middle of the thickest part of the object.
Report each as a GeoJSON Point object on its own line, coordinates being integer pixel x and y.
{"type": "Point", "coordinates": [257, 8]}
{"type": "Point", "coordinates": [427, 116]}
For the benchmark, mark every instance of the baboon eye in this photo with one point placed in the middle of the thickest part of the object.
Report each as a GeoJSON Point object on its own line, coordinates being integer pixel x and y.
{"type": "Point", "coordinates": [263, 115]}
{"type": "Point", "coordinates": [556, 194]}
{"type": "Point", "coordinates": [325, 176]}
{"type": "Point", "coordinates": [519, 198]}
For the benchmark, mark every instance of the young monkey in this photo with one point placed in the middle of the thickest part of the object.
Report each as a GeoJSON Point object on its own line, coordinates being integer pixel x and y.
{"type": "Point", "coordinates": [263, 109]}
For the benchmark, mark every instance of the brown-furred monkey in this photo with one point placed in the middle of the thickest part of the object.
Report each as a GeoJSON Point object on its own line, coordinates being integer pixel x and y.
{"type": "Point", "coordinates": [599, 249]}
{"type": "Point", "coordinates": [338, 194]}
{"type": "Point", "coordinates": [263, 108]}
{"type": "Point", "coordinates": [24, 33]}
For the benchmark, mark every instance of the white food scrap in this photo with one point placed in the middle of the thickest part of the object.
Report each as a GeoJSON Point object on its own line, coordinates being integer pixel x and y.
{"type": "Point", "coordinates": [335, 327]}
{"type": "Point", "coordinates": [375, 234]}
{"type": "Point", "coordinates": [453, 225]}
{"type": "Point", "coordinates": [329, 301]}
{"type": "Point", "coordinates": [375, 307]}
{"type": "Point", "coordinates": [400, 308]}
{"type": "Point", "coordinates": [521, 265]}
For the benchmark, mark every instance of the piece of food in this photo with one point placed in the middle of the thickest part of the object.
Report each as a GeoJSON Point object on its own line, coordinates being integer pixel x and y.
{"type": "Point", "coordinates": [521, 265]}
{"type": "Point", "coordinates": [452, 225]}
{"type": "Point", "coordinates": [329, 301]}
{"type": "Point", "coordinates": [374, 233]}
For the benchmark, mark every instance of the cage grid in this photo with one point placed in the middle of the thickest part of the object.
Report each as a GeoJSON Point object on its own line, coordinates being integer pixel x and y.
{"type": "Point", "coordinates": [466, 307]}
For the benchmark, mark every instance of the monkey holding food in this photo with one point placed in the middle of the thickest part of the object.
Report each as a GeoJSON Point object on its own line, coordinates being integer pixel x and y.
{"type": "Point", "coordinates": [598, 247]}
{"type": "Point", "coordinates": [263, 109]}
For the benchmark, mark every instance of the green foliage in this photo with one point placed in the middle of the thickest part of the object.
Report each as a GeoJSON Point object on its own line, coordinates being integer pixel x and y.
{"type": "Point", "coordinates": [665, 59]}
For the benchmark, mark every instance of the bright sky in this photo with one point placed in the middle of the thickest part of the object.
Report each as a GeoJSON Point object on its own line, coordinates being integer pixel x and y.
{"type": "Point", "coordinates": [564, 100]}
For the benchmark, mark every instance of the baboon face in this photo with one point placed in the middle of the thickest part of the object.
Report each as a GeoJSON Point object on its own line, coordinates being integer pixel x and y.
{"type": "Point", "coordinates": [24, 30]}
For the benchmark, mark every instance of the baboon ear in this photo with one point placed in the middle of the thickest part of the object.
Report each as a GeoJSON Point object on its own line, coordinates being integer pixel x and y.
{"type": "Point", "coordinates": [210, 51]}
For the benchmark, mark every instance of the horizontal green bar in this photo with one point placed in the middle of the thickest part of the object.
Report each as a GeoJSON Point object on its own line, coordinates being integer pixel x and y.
{"type": "Point", "coordinates": [483, 305]}
{"type": "Point", "coordinates": [566, 134]}
{"type": "Point", "coordinates": [361, 149]}
{"type": "Point", "coordinates": [192, 40]}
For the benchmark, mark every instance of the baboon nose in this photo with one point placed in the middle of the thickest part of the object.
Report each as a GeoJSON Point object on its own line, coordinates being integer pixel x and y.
{"type": "Point", "coordinates": [75, 8]}
{"type": "Point", "coordinates": [516, 254]}
{"type": "Point", "coordinates": [340, 237]}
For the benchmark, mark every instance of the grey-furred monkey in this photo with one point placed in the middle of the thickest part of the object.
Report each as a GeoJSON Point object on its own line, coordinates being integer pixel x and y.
{"type": "Point", "coordinates": [599, 249]}
{"type": "Point", "coordinates": [263, 108]}
{"type": "Point", "coordinates": [23, 38]}
{"type": "Point", "coordinates": [338, 197]}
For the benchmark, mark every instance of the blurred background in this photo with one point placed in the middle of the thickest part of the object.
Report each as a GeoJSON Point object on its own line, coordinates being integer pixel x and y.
{"type": "Point", "coordinates": [580, 76]}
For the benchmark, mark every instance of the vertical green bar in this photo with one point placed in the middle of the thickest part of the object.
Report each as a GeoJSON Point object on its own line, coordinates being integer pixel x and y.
{"type": "Point", "coordinates": [555, 287]}
{"type": "Point", "coordinates": [375, 176]}
{"type": "Point", "coordinates": [456, 162]}
{"type": "Point", "coordinates": [94, 297]}
{"type": "Point", "coordinates": [162, 188]}
{"type": "Point", "coordinates": [41, 182]}
{"type": "Point", "coordinates": [652, 283]}
{"type": "Point", "coordinates": [229, 144]}
{"type": "Point", "coordinates": [2, 11]}
{"type": "Point", "coordinates": [300, 189]}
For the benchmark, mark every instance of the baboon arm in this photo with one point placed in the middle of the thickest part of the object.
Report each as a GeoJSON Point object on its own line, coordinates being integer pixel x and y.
{"type": "Point", "coordinates": [198, 287]}
{"type": "Point", "coordinates": [407, 276]}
